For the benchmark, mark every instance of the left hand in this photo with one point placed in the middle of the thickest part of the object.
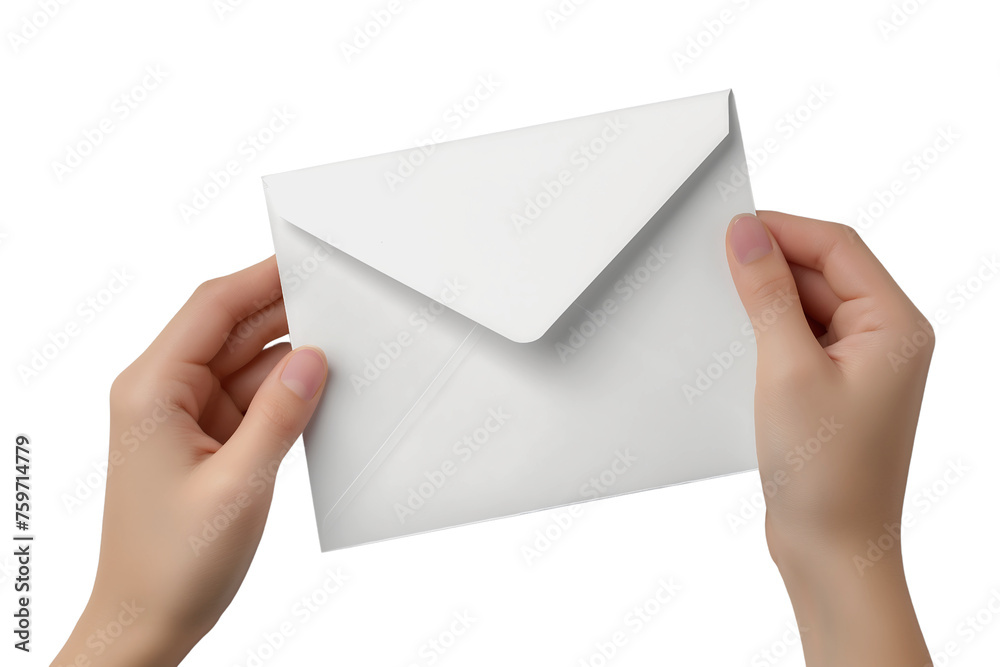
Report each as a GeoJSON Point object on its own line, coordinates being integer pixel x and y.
{"type": "Point", "coordinates": [199, 424]}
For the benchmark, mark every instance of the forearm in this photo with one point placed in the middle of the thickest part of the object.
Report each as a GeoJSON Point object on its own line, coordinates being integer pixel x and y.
{"type": "Point", "coordinates": [851, 611]}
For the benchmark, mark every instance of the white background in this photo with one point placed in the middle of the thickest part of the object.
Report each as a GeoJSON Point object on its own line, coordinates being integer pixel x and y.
{"type": "Point", "coordinates": [62, 239]}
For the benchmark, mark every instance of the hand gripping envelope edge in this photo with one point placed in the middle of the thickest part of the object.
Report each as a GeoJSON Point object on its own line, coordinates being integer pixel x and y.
{"type": "Point", "coordinates": [520, 320]}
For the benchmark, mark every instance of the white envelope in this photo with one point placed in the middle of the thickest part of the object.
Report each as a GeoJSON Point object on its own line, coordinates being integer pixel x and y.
{"type": "Point", "coordinates": [520, 320]}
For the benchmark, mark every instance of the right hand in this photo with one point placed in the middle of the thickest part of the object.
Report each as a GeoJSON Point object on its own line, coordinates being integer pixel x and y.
{"type": "Point", "coordinates": [842, 358]}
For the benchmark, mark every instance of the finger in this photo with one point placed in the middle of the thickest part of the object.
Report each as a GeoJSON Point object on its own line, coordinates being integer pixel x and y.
{"type": "Point", "coordinates": [278, 413]}
{"type": "Point", "coordinates": [248, 337]}
{"type": "Point", "coordinates": [855, 317]}
{"type": "Point", "coordinates": [818, 300]}
{"type": "Point", "coordinates": [769, 294]}
{"type": "Point", "coordinates": [244, 383]}
{"type": "Point", "coordinates": [201, 327]}
{"type": "Point", "coordinates": [220, 418]}
{"type": "Point", "coordinates": [836, 251]}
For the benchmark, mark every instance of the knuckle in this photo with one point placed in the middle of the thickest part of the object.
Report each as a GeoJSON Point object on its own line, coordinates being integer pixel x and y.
{"type": "Point", "coordinates": [869, 314]}
{"type": "Point", "coordinates": [922, 323]}
{"type": "Point", "coordinates": [845, 230]}
{"type": "Point", "coordinates": [279, 416]}
{"type": "Point", "coordinates": [208, 290]}
{"type": "Point", "coordinates": [921, 335]}
{"type": "Point", "coordinates": [129, 390]}
{"type": "Point", "coordinates": [930, 333]}
{"type": "Point", "coordinates": [137, 395]}
{"type": "Point", "coordinates": [766, 289]}
{"type": "Point", "coordinates": [849, 234]}
{"type": "Point", "coordinates": [121, 387]}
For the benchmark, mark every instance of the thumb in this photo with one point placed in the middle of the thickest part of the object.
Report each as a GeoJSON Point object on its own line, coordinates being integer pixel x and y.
{"type": "Point", "coordinates": [279, 411]}
{"type": "Point", "coordinates": [767, 288]}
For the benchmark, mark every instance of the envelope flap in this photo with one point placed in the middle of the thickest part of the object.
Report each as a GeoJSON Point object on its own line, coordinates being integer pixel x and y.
{"type": "Point", "coordinates": [507, 229]}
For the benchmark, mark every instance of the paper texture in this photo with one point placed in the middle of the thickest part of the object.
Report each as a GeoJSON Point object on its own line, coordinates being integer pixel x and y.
{"type": "Point", "coordinates": [520, 320]}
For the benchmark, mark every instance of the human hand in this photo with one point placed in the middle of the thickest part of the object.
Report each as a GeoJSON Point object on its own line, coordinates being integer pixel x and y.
{"type": "Point", "coordinates": [842, 359]}
{"type": "Point", "coordinates": [199, 424]}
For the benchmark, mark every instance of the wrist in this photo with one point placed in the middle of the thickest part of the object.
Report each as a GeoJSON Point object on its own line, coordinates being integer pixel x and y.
{"type": "Point", "coordinates": [849, 595]}
{"type": "Point", "coordinates": [123, 631]}
{"type": "Point", "coordinates": [849, 554]}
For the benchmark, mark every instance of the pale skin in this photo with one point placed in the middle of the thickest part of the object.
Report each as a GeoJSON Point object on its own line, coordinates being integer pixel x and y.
{"type": "Point", "coordinates": [200, 421]}
{"type": "Point", "coordinates": [834, 355]}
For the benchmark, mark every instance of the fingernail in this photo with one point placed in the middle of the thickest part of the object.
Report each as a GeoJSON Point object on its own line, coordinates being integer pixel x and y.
{"type": "Point", "coordinates": [749, 238]}
{"type": "Point", "coordinates": [304, 372]}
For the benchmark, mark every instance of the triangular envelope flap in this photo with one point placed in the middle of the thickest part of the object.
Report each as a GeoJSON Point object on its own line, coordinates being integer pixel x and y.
{"type": "Point", "coordinates": [516, 223]}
